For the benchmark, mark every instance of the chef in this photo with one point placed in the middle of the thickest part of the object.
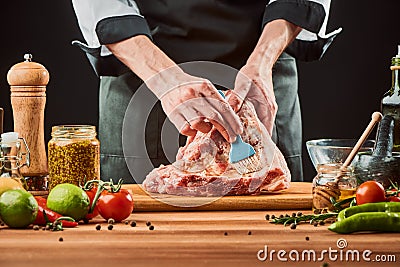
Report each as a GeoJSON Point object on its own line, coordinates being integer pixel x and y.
{"type": "Point", "coordinates": [130, 43]}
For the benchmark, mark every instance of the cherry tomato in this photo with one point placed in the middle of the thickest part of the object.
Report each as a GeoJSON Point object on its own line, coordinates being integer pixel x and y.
{"type": "Point", "coordinates": [117, 206]}
{"type": "Point", "coordinates": [393, 199]}
{"type": "Point", "coordinates": [91, 193]}
{"type": "Point", "coordinates": [370, 191]}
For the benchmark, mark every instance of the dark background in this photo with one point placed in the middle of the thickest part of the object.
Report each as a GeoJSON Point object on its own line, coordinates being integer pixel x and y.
{"type": "Point", "coordinates": [338, 94]}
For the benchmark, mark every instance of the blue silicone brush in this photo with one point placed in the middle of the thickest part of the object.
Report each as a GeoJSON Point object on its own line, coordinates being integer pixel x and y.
{"type": "Point", "coordinates": [242, 155]}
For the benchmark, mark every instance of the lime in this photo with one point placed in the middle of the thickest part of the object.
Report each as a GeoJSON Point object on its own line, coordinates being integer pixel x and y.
{"type": "Point", "coordinates": [69, 200]}
{"type": "Point", "coordinates": [9, 183]}
{"type": "Point", "coordinates": [18, 208]}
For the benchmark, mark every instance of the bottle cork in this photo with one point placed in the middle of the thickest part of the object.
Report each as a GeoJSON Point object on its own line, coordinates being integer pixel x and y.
{"type": "Point", "coordinates": [28, 81]}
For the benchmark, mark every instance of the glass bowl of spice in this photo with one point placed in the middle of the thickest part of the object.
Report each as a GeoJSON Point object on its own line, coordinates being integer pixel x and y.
{"type": "Point", "coordinates": [73, 155]}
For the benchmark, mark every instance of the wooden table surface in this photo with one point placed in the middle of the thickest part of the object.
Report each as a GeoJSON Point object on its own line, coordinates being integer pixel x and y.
{"type": "Point", "coordinates": [193, 238]}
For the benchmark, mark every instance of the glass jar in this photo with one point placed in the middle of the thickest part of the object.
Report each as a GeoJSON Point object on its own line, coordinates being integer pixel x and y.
{"type": "Point", "coordinates": [334, 182]}
{"type": "Point", "coordinates": [73, 155]}
{"type": "Point", "coordinates": [12, 157]}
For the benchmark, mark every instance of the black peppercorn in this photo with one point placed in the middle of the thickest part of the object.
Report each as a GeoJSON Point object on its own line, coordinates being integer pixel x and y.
{"type": "Point", "coordinates": [151, 227]}
{"type": "Point", "coordinates": [226, 233]}
{"type": "Point", "coordinates": [249, 233]}
{"type": "Point", "coordinates": [61, 239]}
{"type": "Point", "coordinates": [98, 227]}
{"type": "Point", "coordinates": [293, 226]}
{"type": "Point", "coordinates": [307, 238]}
{"type": "Point", "coordinates": [110, 227]}
{"type": "Point", "coordinates": [294, 214]}
{"type": "Point", "coordinates": [267, 217]}
{"type": "Point", "coordinates": [148, 223]}
{"type": "Point", "coordinates": [273, 217]}
{"type": "Point", "coordinates": [111, 221]}
{"type": "Point", "coordinates": [36, 227]}
{"type": "Point", "coordinates": [133, 223]}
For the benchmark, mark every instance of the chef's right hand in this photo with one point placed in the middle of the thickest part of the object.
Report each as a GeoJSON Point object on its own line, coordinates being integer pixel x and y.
{"type": "Point", "coordinates": [194, 104]}
{"type": "Point", "coordinates": [191, 103]}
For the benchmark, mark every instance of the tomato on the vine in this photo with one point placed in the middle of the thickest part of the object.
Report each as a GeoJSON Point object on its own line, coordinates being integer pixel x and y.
{"type": "Point", "coordinates": [369, 192]}
{"type": "Point", "coordinates": [91, 194]}
{"type": "Point", "coordinates": [118, 205]}
{"type": "Point", "coordinates": [393, 199]}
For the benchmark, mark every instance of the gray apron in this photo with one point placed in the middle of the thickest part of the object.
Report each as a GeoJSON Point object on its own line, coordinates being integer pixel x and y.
{"type": "Point", "coordinates": [116, 93]}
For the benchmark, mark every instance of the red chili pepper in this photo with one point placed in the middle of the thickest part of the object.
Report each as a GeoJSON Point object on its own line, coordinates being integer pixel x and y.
{"type": "Point", "coordinates": [51, 215]}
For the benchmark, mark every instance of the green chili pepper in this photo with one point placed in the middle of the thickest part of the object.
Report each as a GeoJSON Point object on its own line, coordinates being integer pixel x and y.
{"type": "Point", "coordinates": [368, 221]}
{"type": "Point", "coordinates": [369, 207]}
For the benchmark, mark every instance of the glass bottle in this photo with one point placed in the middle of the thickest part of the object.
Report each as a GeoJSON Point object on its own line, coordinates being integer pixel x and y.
{"type": "Point", "coordinates": [12, 157]}
{"type": "Point", "coordinates": [332, 181]}
{"type": "Point", "coordinates": [390, 104]}
{"type": "Point", "coordinates": [73, 155]}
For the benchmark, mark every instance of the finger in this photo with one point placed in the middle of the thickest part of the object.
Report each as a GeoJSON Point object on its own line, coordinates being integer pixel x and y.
{"type": "Point", "coordinates": [188, 131]}
{"type": "Point", "coordinates": [181, 124]}
{"type": "Point", "coordinates": [201, 125]}
{"type": "Point", "coordinates": [223, 132]}
{"type": "Point", "coordinates": [226, 116]}
{"type": "Point", "coordinates": [235, 101]}
{"type": "Point", "coordinates": [218, 122]}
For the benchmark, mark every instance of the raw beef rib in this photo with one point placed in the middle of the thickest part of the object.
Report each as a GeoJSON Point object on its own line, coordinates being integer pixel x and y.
{"type": "Point", "coordinates": [202, 166]}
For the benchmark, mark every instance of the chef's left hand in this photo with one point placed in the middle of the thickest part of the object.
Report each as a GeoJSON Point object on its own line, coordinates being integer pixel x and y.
{"type": "Point", "coordinates": [255, 84]}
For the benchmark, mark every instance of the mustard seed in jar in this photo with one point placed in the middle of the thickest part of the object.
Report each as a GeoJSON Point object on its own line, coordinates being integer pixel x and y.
{"type": "Point", "coordinates": [73, 155]}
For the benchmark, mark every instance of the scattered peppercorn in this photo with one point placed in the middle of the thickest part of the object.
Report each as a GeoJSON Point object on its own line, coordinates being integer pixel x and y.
{"type": "Point", "coordinates": [317, 211]}
{"type": "Point", "coordinates": [85, 221]}
{"type": "Point", "coordinates": [316, 224]}
{"type": "Point", "coordinates": [226, 233]}
{"type": "Point", "coordinates": [98, 227]}
{"type": "Point", "coordinates": [267, 217]}
{"type": "Point", "coordinates": [126, 222]}
{"type": "Point", "coordinates": [325, 264]}
{"type": "Point", "coordinates": [299, 213]}
{"type": "Point", "coordinates": [110, 227]}
{"type": "Point", "coordinates": [44, 228]}
{"type": "Point", "coordinates": [281, 216]}
{"type": "Point", "coordinates": [307, 238]}
{"type": "Point", "coordinates": [294, 214]}
{"type": "Point", "coordinates": [293, 226]}
{"type": "Point", "coordinates": [249, 233]}
{"type": "Point", "coordinates": [36, 227]}
{"type": "Point", "coordinates": [133, 223]}
{"type": "Point", "coordinates": [273, 217]}
{"type": "Point", "coordinates": [151, 227]}
{"type": "Point", "coordinates": [111, 221]}
{"type": "Point", "coordinates": [148, 223]}
{"type": "Point", "coordinates": [47, 227]}
{"type": "Point", "coordinates": [61, 239]}
{"type": "Point", "coordinates": [321, 223]}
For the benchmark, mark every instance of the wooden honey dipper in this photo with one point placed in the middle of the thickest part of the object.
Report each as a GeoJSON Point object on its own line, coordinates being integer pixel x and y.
{"type": "Point", "coordinates": [375, 118]}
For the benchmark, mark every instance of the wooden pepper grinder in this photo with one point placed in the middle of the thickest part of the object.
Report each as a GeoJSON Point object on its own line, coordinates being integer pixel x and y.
{"type": "Point", "coordinates": [28, 82]}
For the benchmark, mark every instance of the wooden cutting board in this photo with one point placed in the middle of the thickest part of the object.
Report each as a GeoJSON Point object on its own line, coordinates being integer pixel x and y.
{"type": "Point", "coordinates": [297, 197]}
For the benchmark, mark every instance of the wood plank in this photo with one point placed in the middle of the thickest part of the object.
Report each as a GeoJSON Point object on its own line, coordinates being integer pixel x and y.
{"type": "Point", "coordinates": [297, 197]}
{"type": "Point", "coordinates": [187, 239]}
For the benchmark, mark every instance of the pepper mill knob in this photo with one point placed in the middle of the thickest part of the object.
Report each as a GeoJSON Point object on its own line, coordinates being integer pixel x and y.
{"type": "Point", "coordinates": [28, 82]}
{"type": "Point", "coordinates": [28, 73]}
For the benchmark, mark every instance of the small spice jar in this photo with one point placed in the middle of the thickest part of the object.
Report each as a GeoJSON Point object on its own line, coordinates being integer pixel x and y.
{"type": "Point", "coordinates": [332, 181]}
{"type": "Point", "coordinates": [73, 155]}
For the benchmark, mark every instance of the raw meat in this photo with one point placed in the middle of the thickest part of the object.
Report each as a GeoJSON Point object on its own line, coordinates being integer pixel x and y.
{"type": "Point", "coordinates": [202, 166]}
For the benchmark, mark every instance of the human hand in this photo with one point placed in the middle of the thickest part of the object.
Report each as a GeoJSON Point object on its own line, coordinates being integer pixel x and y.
{"type": "Point", "coordinates": [256, 86]}
{"type": "Point", "coordinates": [194, 104]}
